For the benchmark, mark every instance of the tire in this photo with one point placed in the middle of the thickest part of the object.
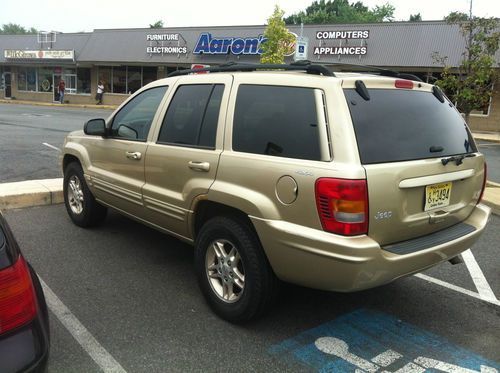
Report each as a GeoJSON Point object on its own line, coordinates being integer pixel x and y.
{"type": "Point", "coordinates": [239, 286]}
{"type": "Point", "coordinates": [81, 205]}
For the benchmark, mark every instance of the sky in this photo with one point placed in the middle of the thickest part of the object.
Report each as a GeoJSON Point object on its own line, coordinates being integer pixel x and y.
{"type": "Point", "coordinates": [87, 15]}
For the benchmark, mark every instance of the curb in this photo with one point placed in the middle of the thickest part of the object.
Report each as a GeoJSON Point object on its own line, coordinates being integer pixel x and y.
{"type": "Point", "coordinates": [36, 103]}
{"type": "Point", "coordinates": [31, 193]}
{"type": "Point", "coordinates": [490, 136]}
{"type": "Point", "coordinates": [50, 192]}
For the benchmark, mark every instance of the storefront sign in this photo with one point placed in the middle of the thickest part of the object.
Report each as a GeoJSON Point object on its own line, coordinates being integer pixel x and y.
{"type": "Point", "coordinates": [345, 45]}
{"type": "Point", "coordinates": [40, 54]}
{"type": "Point", "coordinates": [162, 44]}
{"type": "Point", "coordinates": [209, 45]}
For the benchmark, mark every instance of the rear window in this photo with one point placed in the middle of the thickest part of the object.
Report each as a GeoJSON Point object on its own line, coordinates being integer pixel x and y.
{"type": "Point", "coordinates": [401, 125]}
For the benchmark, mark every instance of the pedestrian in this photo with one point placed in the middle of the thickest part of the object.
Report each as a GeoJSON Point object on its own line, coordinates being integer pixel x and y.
{"type": "Point", "coordinates": [100, 92]}
{"type": "Point", "coordinates": [61, 87]}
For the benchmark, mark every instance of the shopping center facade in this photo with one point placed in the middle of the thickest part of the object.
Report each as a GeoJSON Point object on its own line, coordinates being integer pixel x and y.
{"type": "Point", "coordinates": [31, 66]}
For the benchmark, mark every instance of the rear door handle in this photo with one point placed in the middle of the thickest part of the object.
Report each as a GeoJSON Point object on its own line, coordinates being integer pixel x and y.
{"type": "Point", "coordinates": [199, 166]}
{"type": "Point", "coordinates": [133, 155]}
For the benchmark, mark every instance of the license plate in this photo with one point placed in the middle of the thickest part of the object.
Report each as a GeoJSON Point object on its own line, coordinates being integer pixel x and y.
{"type": "Point", "coordinates": [437, 195]}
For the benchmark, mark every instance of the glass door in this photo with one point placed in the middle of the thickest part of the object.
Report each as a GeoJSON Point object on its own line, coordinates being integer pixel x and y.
{"type": "Point", "coordinates": [8, 85]}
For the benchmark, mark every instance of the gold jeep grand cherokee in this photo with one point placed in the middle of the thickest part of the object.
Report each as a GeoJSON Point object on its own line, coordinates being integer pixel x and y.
{"type": "Point", "coordinates": [335, 181]}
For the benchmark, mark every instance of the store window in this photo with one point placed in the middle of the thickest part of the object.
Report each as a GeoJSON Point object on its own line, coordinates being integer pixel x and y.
{"type": "Point", "coordinates": [134, 78]}
{"type": "Point", "coordinates": [45, 82]}
{"type": "Point", "coordinates": [119, 79]}
{"type": "Point", "coordinates": [70, 81]}
{"type": "Point", "coordinates": [31, 79]}
{"type": "Point", "coordinates": [83, 81]}
{"type": "Point", "coordinates": [149, 74]}
{"type": "Point", "coordinates": [21, 79]}
{"type": "Point", "coordinates": [104, 76]}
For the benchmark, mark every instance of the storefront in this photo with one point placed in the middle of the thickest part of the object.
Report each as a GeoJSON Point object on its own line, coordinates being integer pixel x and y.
{"type": "Point", "coordinates": [31, 66]}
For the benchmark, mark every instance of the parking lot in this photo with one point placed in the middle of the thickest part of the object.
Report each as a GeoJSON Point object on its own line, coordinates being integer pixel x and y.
{"type": "Point", "coordinates": [124, 298]}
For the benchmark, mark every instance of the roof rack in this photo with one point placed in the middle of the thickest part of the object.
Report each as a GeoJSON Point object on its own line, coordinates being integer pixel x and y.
{"type": "Point", "coordinates": [303, 65]}
{"type": "Point", "coordinates": [306, 66]}
{"type": "Point", "coordinates": [381, 71]}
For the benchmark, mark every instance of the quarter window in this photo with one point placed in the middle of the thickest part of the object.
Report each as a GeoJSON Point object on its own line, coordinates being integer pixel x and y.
{"type": "Point", "coordinates": [134, 120]}
{"type": "Point", "coordinates": [277, 121]}
{"type": "Point", "coordinates": [192, 116]}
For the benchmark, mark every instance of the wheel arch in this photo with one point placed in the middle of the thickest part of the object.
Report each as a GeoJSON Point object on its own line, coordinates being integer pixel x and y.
{"type": "Point", "coordinates": [206, 209]}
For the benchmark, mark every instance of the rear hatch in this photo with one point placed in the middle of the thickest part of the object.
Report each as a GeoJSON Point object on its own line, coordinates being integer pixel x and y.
{"type": "Point", "coordinates": [424, 173]}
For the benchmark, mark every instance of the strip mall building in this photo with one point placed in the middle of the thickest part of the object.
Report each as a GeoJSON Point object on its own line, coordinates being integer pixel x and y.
{"type": "Point", "coordinates": [124, 60]}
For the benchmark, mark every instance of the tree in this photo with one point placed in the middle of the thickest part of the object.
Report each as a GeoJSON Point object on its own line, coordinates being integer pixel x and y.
{"type": "Point", "coordinates": [278, 38]}
{"type": "Point", "coordinates": [415, 17]}
{"type": "Point", "coordinates": [470, 84]}
{"type": "Point", "coordinates": [341, 11]}
{"type": "Point", "coordinates": [15, 29]}
{"type": "Point", "coordinates": [157, 24]}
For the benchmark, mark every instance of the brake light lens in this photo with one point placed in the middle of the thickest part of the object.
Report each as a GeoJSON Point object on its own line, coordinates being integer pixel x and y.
{"type": "Point", "coordinates": [17, 296]}
{"type": "Point", "coordinates": [343, 205]}
{"type": "Point", "coordinates": [484, 182]}
{"type": "Point", "coordinates": [400, 83]}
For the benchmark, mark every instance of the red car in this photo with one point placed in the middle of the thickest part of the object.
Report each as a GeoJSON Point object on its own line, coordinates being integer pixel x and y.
{"type": "Point", "coordinates": [24, 322]}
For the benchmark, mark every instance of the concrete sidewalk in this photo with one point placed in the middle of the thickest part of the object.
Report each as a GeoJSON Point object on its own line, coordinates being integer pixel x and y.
{"type": "Point", "coordinates": [50, 191]}
{"type": "Point", "coordinates": [36, 103]}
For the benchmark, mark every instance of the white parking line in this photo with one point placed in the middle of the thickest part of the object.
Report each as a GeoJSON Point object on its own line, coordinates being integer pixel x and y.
{"type": "Point", "coordinates": [456, 288]}
{"type": "Point", "coordinates": [102, 357]}
{"type": "Point", "coordinates": [483, 288]}
{"type": "Point", "coordinates": [51, 146]}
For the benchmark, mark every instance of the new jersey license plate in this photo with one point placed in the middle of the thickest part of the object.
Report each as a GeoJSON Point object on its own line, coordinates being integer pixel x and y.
{"type": "Point", "coordinates": [437, 195]}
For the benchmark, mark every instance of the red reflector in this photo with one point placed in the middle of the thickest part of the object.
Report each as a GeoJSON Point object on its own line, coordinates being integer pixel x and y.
{"type": "Point", "coordinates": [17, 296]}
{"type": "Point", "coordinates": [342, 205]}
{"type": "Point", "coordinates": [407, 84]}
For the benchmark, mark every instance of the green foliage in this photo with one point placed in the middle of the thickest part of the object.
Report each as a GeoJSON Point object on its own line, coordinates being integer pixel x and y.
{"type": "Point", "coordinates": [470, 85]}
{"type": "Point", "coordinates": [415, 17]}
{"type": "Point", "coordinates": [157, 24]}
{"type": "Point", "coordinates": [278, 41]}
{"type": "Point", "coordinates": [15, 29]}
{"type": "Point", "coordinates": [341, 11]}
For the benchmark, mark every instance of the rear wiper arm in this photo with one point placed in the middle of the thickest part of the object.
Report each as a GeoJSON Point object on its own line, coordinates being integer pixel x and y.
{"type": "Point", "coordinates": [458, 159]}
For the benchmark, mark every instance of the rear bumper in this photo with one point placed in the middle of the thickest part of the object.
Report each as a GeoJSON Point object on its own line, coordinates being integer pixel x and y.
{"type": "Point", "coordinates": [322, 260]}
{"type": "Point", "coordinates": [25, 349]}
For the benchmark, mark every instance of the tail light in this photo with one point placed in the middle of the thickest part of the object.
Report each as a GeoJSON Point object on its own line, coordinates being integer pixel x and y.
{"type": "Point", "coordinates": [484, 182]}
{"type": "Point", "coordinates": [343, 205]}
{"type": "Point", "coordinates": [17, 296]}
{"type": "Point", "coordinates": [406, 84]}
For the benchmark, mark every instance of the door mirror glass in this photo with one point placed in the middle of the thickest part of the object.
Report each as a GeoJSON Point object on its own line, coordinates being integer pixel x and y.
{"type": "Point", "coordinates": [96, 127]}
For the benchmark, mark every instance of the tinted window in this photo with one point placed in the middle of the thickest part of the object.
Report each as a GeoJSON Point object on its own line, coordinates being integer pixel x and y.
{"type": "Point", "coordinates": [192, 116]}
{"type": "Point", "coordinates": [398, 125]}
{"type": "Point", "coordinates": [134, 120]}
{"type": "Point", "coordinates": [278, 121]}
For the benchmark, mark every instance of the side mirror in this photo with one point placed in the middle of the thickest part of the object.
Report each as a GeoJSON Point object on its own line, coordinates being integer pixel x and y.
{"type": "Point", "coordinates": [96, 127]}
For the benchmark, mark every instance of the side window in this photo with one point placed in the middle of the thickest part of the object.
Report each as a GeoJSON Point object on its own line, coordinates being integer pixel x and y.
{"type": "Point", "coordinates": [134, 120]}
{"type": "Point", "coordinates": [277, 121]}
{"type": "Point", "coordinates": [192, 116]}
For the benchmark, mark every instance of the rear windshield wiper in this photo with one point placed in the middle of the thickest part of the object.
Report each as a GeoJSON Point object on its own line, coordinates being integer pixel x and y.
{"type": "Point", "coordinates": [458, 159]}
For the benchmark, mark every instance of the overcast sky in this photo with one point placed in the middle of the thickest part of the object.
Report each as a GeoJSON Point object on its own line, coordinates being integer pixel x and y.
{"type": "Point", "coordinates": [87, 15]}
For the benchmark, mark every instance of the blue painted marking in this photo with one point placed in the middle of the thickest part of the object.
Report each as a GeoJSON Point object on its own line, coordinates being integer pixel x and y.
{"type": "Point", "coordinates": [369, 334]}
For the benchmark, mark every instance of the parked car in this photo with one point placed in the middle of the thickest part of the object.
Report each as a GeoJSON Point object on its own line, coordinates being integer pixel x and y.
{"type": "Point", "coordinates": [335, 181]}
{"type": "Point", "coordinates": [24, 322]}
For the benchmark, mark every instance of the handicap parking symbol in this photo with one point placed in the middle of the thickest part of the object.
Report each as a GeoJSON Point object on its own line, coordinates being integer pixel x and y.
{"type": "Point", "coordinates": [369, 342]}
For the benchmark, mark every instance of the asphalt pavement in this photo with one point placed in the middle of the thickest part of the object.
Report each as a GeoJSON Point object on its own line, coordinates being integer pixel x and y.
{"type": "Point", "coordinates": [135, 292]}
